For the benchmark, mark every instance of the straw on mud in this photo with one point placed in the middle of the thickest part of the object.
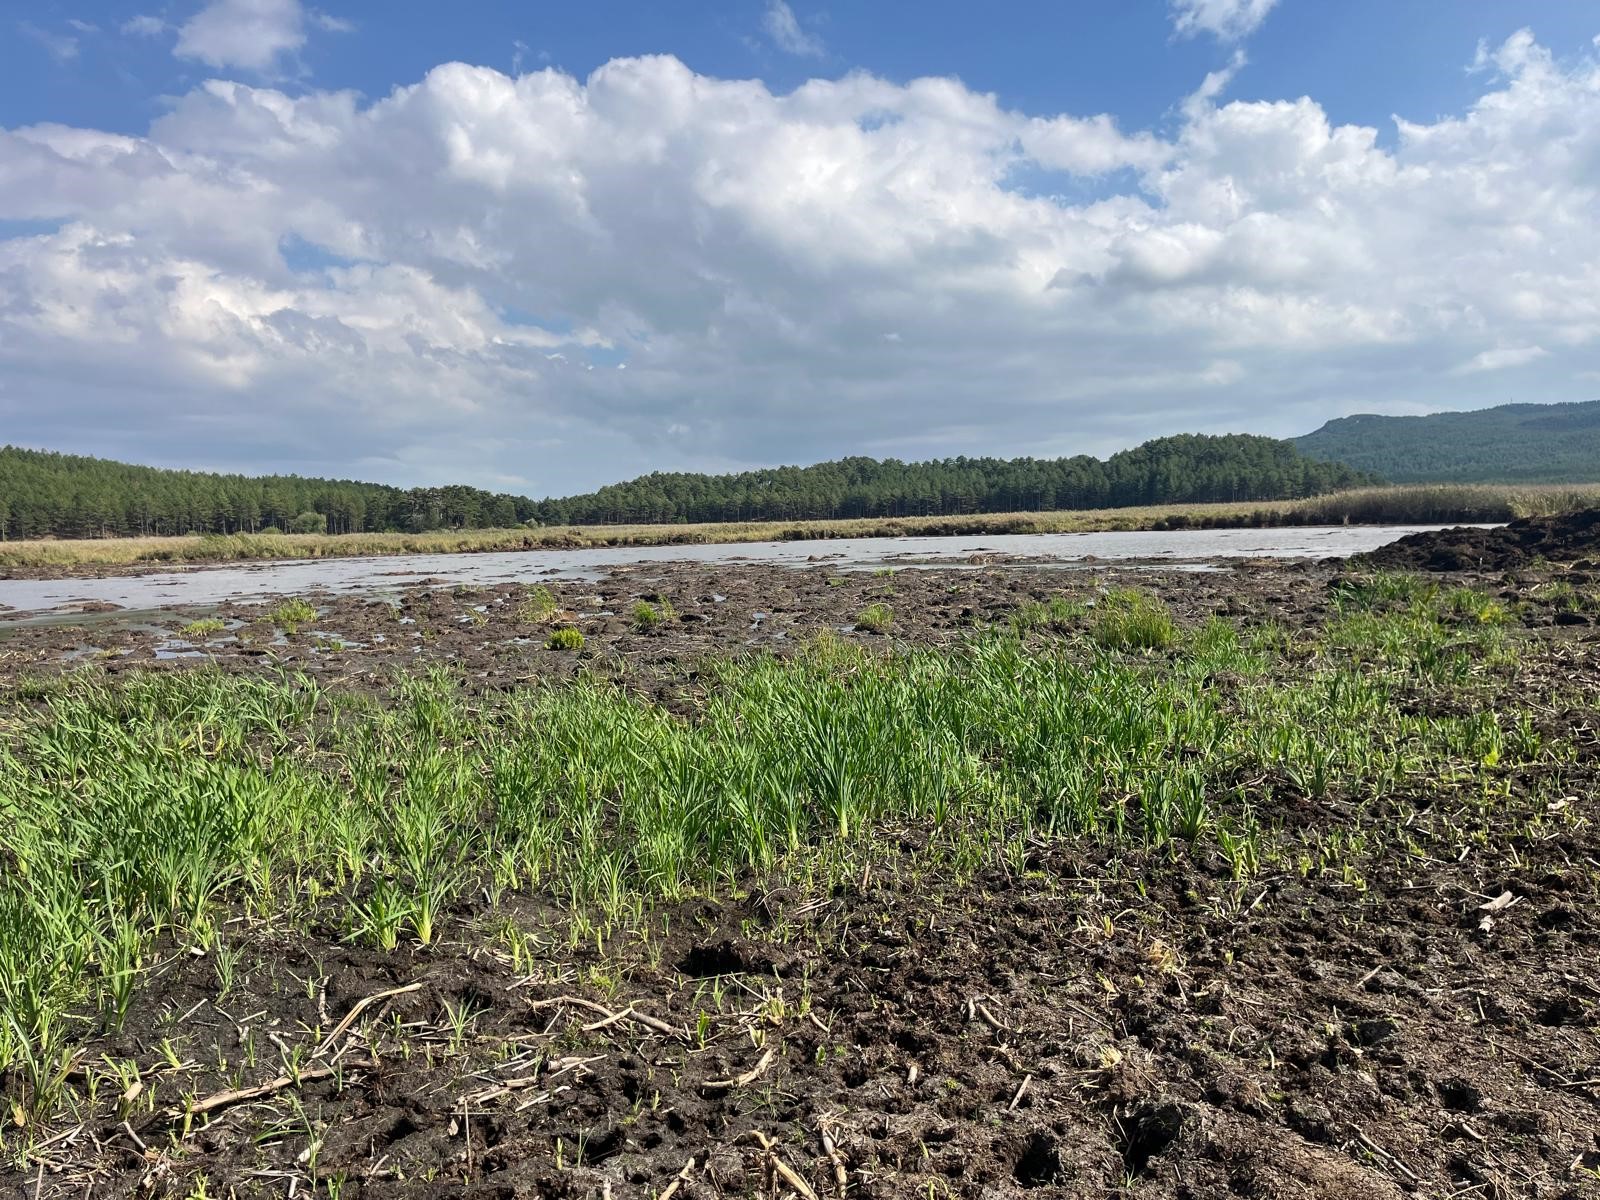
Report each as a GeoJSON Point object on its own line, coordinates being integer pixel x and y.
{"type": "Point", "coordinates": [681, 1178]}
{"type": "Point", "coordinates": [361, 1006]}
{"type": "Point", "coordinates": [739, 1081]}
{"type": "Point", "coordinates": [609, 1017]}
{"type": "Point", "coordinates": [1021, 1089]}
{"type": "Point", "coordinates": [841, 1178]}
{"type": "Point", "coordinates": [239, 1095]}
{"type": "Point", "coordinates": [975, 1007]}
{"type": "Point", "coordinates": [784, 1170]}
{"type": "Point", "coordinates": [1385, 1155]}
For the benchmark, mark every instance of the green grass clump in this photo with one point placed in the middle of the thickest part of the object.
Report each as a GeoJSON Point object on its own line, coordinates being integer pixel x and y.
{"type": "Point", "coordinates": [1469, 605]}
{"type": "Point", "coordinates": [292, 614]}
{"type": "Point", "coordinates": [647, 616]}
{"type": "Point", "coordinates": [875, 618]}
{"type": "Point", "coordinates": [204, 628]}
{"type": "Point", "coordinates": [1058, 615]}
{"type": "Point", "coordinates": [1564, 597]}
{"type": "Point", "coordinates": [538, 607]}
{"type": "Point", "coordinates": [565, 638]}
{"type": "Point", "coordinates": [1363, 593]}
{"type": "Point", "coordinates": [1128, 619]}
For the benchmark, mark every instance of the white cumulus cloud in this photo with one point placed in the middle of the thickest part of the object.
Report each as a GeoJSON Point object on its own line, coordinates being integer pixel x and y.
{"type": "Point", "coordinates": [783, 27]}
{"type": "Point", "coordinates": [252, 34]}
{"type": "Point", "coordinates": [1226, 20]}
{"type": "Point", "coordinates": [450, 276]}
{"type": "Point", "coordinates": [1499, 360]}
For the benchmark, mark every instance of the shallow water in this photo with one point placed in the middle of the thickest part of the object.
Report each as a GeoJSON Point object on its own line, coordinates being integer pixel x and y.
{"type": "Point", "coordinates": [29, 598]}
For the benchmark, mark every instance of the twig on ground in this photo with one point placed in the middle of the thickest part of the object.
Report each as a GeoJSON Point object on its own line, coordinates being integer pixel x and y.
{"type": "Point", "coordinates": [679, 1181]}
{"type": "Point", "coordinates": [739, 1081]}
{"type": "Point", "coordinates": [216, 1100]}
{"type": "Point", "coordinates": [841, 1178]}
{"type": "Point", "coordinates": [783, 1169]}
{"type": "Point", "coordinates": [630, 1013]}
{"type": "Point", "coordinates": [1386, 1156]}
{"type": "Point", "coordinates": [975, 1006]}
{"type": "Point", "coordinates": [361, 1006]}
{"type": "Point", "coordinates": [1021, 1089]}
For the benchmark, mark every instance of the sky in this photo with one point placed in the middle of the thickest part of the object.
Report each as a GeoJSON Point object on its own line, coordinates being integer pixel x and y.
{"type": "Point", "coordinates": [540, 247]}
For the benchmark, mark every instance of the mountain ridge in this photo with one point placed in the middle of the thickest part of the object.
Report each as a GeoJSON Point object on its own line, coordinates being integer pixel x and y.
{"type": "Point", "coordinates": [1508, 443]}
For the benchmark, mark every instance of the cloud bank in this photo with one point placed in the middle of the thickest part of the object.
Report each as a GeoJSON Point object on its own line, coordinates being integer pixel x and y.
{"type": "Point", "coordinates": [548, 282]}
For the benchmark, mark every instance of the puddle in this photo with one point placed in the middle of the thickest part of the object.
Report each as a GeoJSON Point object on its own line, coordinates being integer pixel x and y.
{"type": "Point", "coordinates": [178, 648]}
{"type": "Point", "coordinates": [324, 642]}
{"type": "Point", "coordinates": [85, 653]}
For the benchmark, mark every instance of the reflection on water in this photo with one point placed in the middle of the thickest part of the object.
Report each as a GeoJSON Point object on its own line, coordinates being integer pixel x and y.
{"type": "Point", "coordinates": [257, 581]}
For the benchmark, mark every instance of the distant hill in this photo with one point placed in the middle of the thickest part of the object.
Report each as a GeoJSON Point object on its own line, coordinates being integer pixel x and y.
{"type": "Point", "coordinates": [1170, 470]}
{"type": "Point", "coordinates": [1514, 443]}
{"type": "Point", "coordinates": [43, 494]}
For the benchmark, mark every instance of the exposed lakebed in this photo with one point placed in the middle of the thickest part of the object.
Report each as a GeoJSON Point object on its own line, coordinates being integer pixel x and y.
{"type": "Point", "coordinates": [33, 597]}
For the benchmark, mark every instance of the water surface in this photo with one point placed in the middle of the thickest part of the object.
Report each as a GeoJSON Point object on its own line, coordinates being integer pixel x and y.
{"type": "Point", "coordinates": [29, 598]}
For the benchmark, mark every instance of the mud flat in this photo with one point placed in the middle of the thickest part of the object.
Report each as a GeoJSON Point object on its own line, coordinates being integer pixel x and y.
{"type": "Point", "coordinates": [1572, 537]}
{"type": "Point", "coordinates": [1278, 880]}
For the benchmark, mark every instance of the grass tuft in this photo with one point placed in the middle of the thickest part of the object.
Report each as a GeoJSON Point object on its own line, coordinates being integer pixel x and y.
{"type": "Point", "coordinates": [647, 616]}
{"type": "Point", "coordinates": [538, 607]}
{"type": "Point", "coordinates": [1128, 619]}
{"type": "Point", "coordinates": [875, 618]}
{"type": "Point", "coordinates": [292, 614]}
{"type": "Point", "coordinates": [1058, 615]}
{"type": "Point", "coordinates": [565, 638]}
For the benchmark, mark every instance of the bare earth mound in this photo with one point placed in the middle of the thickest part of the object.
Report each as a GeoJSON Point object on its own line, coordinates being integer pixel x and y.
{"type": "Point", "coordinates": [1565, 537]}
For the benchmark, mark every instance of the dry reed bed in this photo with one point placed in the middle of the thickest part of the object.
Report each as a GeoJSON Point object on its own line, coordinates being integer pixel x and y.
{"type": "Point", "coordinates": [1431, 504]}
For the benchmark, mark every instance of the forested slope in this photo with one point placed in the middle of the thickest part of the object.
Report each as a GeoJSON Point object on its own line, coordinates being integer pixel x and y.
{"type": "Point", "coordinates": [1171, 470]}
{"type": "Point", "coordinates": [60, 495]}
{"type": "Point", "coordinates": [44, 494]}
{"type": "Point", "coordinates": [1514, 443]}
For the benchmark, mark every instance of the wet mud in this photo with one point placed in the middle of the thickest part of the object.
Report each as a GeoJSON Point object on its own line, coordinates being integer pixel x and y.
{"type": "Point", "coordinates": [1564, 538]}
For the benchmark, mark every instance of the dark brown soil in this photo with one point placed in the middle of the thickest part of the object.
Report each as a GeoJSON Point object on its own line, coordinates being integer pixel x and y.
{"type": "Point", "coordinates": [486, 631]}
{"type": "Point", "coordinates": [1565, 538]}
{"type": "Point", "coordinates": [1079, 1023]}
{"type": "Point", "coordinates": [1088, 1028]}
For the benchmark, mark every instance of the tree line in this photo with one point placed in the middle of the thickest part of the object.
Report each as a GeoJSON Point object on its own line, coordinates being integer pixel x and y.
{"type": "Point", "coordinates": [44, 494]}
{"type": "Point", "coordinates": [1171, 470]}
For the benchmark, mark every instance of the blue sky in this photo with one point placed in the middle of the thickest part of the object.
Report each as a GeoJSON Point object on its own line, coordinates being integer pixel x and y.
{"type": "Point", "coordinates": [1362, 59]}
{"type": "Point", "coordinates": [716, 235]}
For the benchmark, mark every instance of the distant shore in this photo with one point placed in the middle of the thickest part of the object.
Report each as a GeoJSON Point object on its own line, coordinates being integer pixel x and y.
{"type": "Point", "coordinates": [1430, 504]}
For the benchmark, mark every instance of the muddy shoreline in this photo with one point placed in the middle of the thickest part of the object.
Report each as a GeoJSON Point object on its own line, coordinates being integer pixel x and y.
{"type": "Point", "coordinates": [491, 635]}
